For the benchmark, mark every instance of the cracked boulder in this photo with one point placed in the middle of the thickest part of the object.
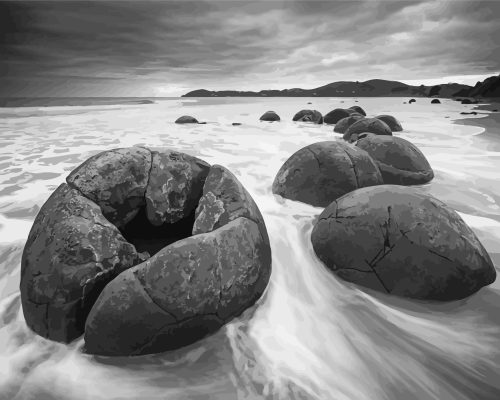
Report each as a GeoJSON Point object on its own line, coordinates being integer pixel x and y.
{"type": "Point", "coordinates": [366, 125]}
{"type": "Point", "coordinates": [119, 209]}
{"type": "Point", "coordinates": [192, 287]}
{"type": "Point", "coordinates": [344, 123]}
{"type": "Point", "coordinates": [400, 241]}
{"type": "Point", "coordinates": [399, 161]}
{"type": "Point", "coordinates": [337, 114]}
{"type": "Point", "coordinates": [309, 116]}
{"type": "Point", "coordinates": [391, 122]}
{"type": "Point", "coordinates": [322, 172]}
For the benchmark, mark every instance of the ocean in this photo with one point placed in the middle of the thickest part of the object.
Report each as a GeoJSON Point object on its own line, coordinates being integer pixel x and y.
{"type": "Point", "coordinates": [311, 336]}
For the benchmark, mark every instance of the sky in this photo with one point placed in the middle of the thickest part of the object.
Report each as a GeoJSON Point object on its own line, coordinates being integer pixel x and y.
{"type": "Point", "coordinates": [167, 48]}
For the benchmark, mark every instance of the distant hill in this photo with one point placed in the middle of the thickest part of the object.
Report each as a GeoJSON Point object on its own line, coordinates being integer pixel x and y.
{"type": "Point", "coordinates": [490, 87]}
{"type": "Point", "coordinates": [371, 88]}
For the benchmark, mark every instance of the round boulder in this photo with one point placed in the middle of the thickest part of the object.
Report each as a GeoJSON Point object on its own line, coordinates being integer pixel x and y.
{"type": "Point", "coordinates": [435, 101]}
{"type": "Point", "coordinates": [399, 161]}
{"type": "Point", "coordinates": [412, 101]}
{"type": "Point", "coordinates": [186, 119]}
{"type": "Point", "coordinates": [366, 125]}
{"type": "Point", "coordinates": [400, 241]}
{"type": "Point", "coordinates": [123, 209]}
{"type": "Point", "coordinates": [391, 122]}
{"type": "Point", "coordinates": [336, 115]}
{"type": "Point", "coordinates": [344, 123]}
{"type": "Point", "coordinates": [309, 116]}
{"type": "Point", "coordinates": [270, 116]}
{"type": "Point", "coordinates": [358, 109]}
{"type": "Point", "coordinates": [321, 172]}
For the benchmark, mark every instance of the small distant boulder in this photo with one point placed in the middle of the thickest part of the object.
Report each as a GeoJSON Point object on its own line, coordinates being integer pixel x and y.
{"type": "Point", "coordinates": [400, 241]}
{"type": "Point", "coordinates": [270, 116]}
{"type": "Point", "coordinates": [469, 101]}
{"type": "Point", "coordinates": [370, 125]}
{"type": "Point", "coordinates": [322, 172]}
{"type": "Point", "coordinates": [336, 115]}
{"type": "Point", "coordinates": [391, 122]}
{"type": "Point", "coordinates": [344, 123]}
{"type": "Point", "coordinates": [400, 161]}
{"type": "Point", "coordinates": [236, 124]}
{"type": "Point", "coordinates": [309, 102]}
{"type": "Point", "coordinates": [358, 109]}
{"type": "Point", "coordinates": [186, 119]}
{"type": "Point", "coordinates": [412, 101]}
{"type": "Point", "coordinates": [309, 116]}
{"type": "Point", "coordinates": [468, 113]}
{"type": "Point", "coordinates": [435, 101]}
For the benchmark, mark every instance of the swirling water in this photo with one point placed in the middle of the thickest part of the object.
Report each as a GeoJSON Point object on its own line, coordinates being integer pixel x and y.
{"type": "Point", "coordinates": [311, 336]}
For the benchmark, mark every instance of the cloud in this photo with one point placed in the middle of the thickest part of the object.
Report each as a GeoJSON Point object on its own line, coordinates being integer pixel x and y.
{"type": "Point", "coordinates": [138, 48]}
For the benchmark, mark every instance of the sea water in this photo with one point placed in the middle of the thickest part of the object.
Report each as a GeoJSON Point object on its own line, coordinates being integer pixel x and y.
{"type": "Point", "coordinates": [311, 336]}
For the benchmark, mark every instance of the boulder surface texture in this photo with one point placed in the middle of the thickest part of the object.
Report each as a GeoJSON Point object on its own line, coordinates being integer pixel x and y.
{"type": "Point", "coordinates": [397, 240]}
{"type": "Point", "coordinates": [321, 172]}
{"type": "Point", "coordinates": [400, 161]}
{"type": "Point", "coordinates": [309, 116]}
{"type": "Point", "coordinates": [366, 125]}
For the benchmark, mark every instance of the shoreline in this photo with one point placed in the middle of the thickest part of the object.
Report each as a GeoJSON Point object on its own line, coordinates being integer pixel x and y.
{"type": "Point", "coordinates": [489, 120]}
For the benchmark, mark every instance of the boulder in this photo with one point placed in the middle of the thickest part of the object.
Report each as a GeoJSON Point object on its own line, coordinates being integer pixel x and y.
{"type": "Point", "coordinates": [337, 114]}
{"type": "Point", "coordinates": [321, 172]}
{"type": "Point", "coordinates": [342, 125]}
{"type": "Point", "coordinates": [435, 101]}
{"type": "Point", "coordinates": [391, 122]}
{"type": "Point", "coordinates": [74, 251]}
{"type": "Point", "coordinates": [270, 116]}
{"type": "Point", "coordinates": [358, 109]}
{"type": "Point", "coordinates": [411, 101]}
{"type": "Point", "coordinates": [366, 125]}
{"type": "Point", "coordinates": [399, 241]}
{"type": "Point", "coordinates": [71, 253]}
{"type": "Point", "coordinates": [400, 161]}
{"type": "Point", "coordinates": [309, 116]}
{"type": "Point", "coordinates": [469, 101]}
{"type": "Point", "coordinates": [186, 119]}
{"type": "Point", "coordinates": [192, 287]}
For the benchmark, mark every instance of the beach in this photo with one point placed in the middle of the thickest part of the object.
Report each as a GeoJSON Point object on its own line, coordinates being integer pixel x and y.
{"type": "Point", "coordinates": [311, 336]}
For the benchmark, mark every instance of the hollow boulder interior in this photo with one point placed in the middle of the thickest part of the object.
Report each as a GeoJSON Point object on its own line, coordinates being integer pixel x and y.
{"type": "Point", "coordinates": [147, 237]}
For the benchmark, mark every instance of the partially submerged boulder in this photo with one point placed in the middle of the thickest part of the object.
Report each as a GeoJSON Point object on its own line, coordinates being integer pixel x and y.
{"type": "Point", "coordinates": [337, 114]}
{"type": "Point", "coordinates": [366, 125]}
{"type": "Point", "coordinates": [400, 241]}
{"type": "Point", "coordinates": [435, 101]}
{"type": "Point", "coordinates": [186, 119]}
{"type": "Point", "coordinates": [321, 172]}
{"type": "Point", "coordinates": [344, 123]}
{"type": "Point", "coordinates": [270, 116]}
{"type": "Point", "coordinates": [391, 122]}
{"type": "Point", "coordinates": [83, 239]}
{"type": "Point", "coordinates": [313, 116]}
{"type": "Point", "coordinates": [359, 110]}
{"type": "Point", "coordinates": [411, 101]}
{"type": "Point", "coordinates": [399, 161]}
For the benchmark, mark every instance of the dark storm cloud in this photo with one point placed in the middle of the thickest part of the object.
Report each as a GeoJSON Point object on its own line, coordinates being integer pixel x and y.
{"type": "Point", "coordinates": [167, 48]}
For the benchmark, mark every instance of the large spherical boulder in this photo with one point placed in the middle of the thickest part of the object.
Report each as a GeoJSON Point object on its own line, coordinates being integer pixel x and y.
{"type": "Point", "coordinates": [435, 101]}
{"type": "Point", "coordinates": [359, 110]}
{"type": "Point", "coordinates": [366, 125]}
{"type": "Point", "coordinates": [124, 208]}
{"type": "Point", "coordinates": [399, 241]}
{"type": "Point", "coordinates": [344, 123]}
{"type": "Point", "coordinates": [321, 172]}
{"type": "Point", "coordinates": [270, 116]}
{"type": "Point", "coordinates": [391, 122]}
{"type": "Point", "coordinates": [309, 116]}
{"type": "Point", "coordinates": [337, 114]}
{"type": "Point", "coordinates": [399, 161]}
{"type": "Point", "coordinates": [186, 119]}
{"type": "Point", "coordinates": [192, 287]}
